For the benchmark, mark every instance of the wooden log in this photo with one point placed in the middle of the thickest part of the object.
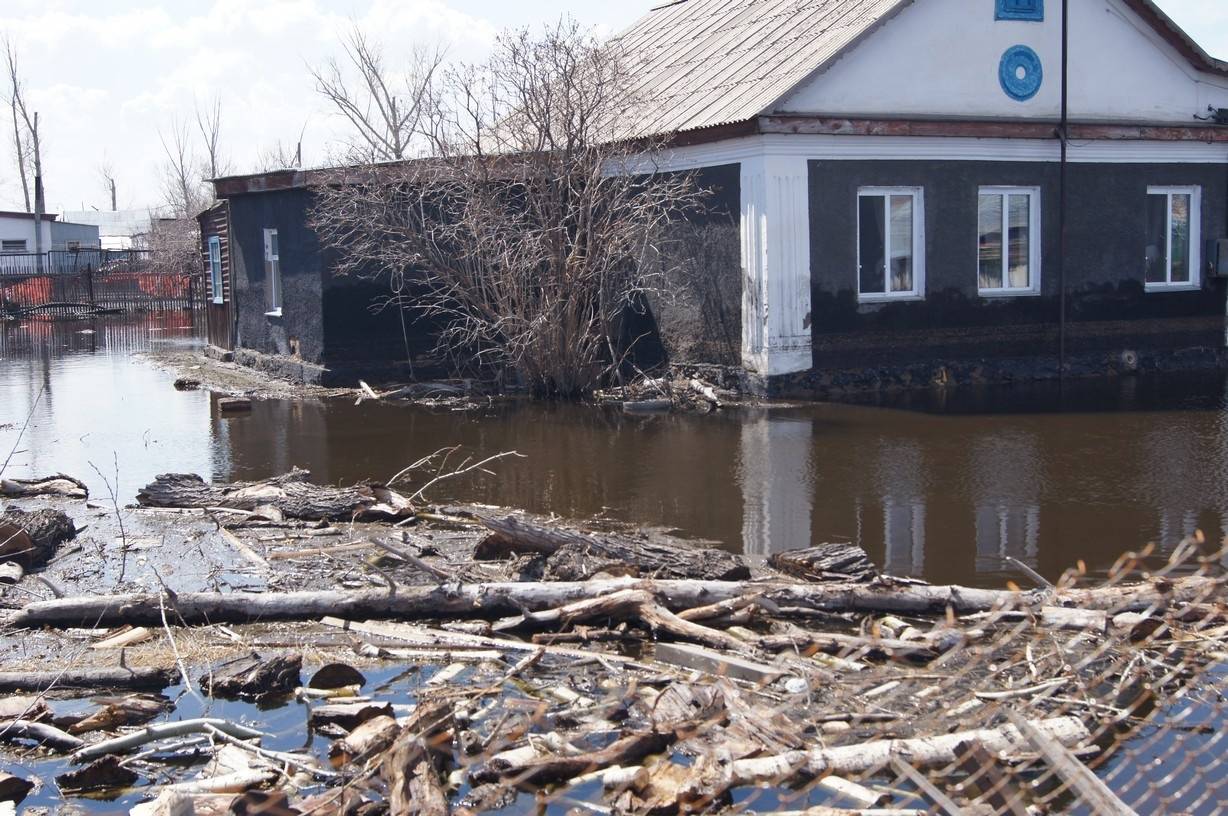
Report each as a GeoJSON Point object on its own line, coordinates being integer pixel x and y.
{"type": "Point", "coordinates": [826, 562]}
{"type": "Point", "coordinates": [116, 678]}
{"type": "Point", "coordinates": [105, 773]}
{"type": "Point", "coordinates": [1056, 752]}
{"type": "Point", "coordinates": [120, 712]}
{"type": "Point", "coordinates": [292, 494]}
{"type": "Point", "coordinates": [348, 715]}
{"type": "Point", "coordinates": [255, 678]}
{"type": "Point", "coordinates": [42, 733]}
{"type": "Point", "coordinates": [499, 599]}
{"type": "Point", "coordinates": [924, 752]}
{"type": "Point", "coordinates": [370, 738]}
{"type": "Point", "coordinates": [65, 487]}
{"type": "Point", "coordinates": [849, 645]}
{"type": "Point", "coordinates": [550, 770]}
{"type": "Point", "coordinates": [152, 733]}
{"type": "Point", "coordinates": [646, 557]}
{"type": "Point", "coordinates": [32, 538]}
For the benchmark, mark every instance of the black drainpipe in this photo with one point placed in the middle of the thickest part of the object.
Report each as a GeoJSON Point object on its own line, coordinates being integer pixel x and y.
{"type": "Point", "coordinates": [1062, 135]}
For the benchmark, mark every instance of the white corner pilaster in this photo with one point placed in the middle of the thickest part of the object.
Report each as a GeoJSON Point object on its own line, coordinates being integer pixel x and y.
{"type": "Point", "coordinates": [776, 335]}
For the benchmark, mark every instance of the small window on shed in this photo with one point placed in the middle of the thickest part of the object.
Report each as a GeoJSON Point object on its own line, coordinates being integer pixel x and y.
{"type": "Point", "coordinates": [11, 247]}
{"type": "Point", "coordinates": [272, 273]}
{"type": "Point", "coordinates": [1174, 220]}
{"type": "Point", "coordinates": [215, 269]}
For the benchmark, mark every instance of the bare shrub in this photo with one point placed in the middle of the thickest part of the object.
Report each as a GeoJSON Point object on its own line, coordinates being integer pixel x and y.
{"type": "Point", "coordinates": [528, 230]}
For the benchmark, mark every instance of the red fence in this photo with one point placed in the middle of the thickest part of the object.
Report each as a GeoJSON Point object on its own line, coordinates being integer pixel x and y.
{"type": "Point", "coordinates": [93, 281]}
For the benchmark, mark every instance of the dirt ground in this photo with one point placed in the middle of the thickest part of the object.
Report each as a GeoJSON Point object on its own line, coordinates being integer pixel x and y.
{"type": "Point", "coordinates": [232, 378]}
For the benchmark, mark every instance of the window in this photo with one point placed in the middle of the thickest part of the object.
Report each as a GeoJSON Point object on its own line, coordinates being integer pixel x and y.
{"type": "Point", "coordinates": [1174, 226]}
{"type": "Point", "coordinates": [1032, 10]}
{"type": "Point", "coordinates": [890, 243]}
{"type": "Point", "coordinates": [1008, 241]}
{"type": "Point", "coordinates": [272, 273]}
{"type": "Point", "coordinates": [11, 247]}
{"type": "Point", "coordinates": [215, 269]}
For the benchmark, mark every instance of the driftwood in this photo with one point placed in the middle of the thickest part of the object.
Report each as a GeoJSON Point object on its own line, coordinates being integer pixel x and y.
{"type": "Point", "coordinates": [65, 487]}
{"type": "Point", "coordinates": [118, 677]}
{"type": "Point", "coordinates": [292, 494]}
{"type": "Point", "coordinates": [826, 562]}
{"type": "Point", "coordinates": [411, 768]}
{"type": "Point", "coordinates": [119, 712]}
{"type": "Point", "coordinates": [577, 556]}
{"type": "Point", "coordinates": [14, 788]}
{"type": "Point", "coordinates": [102, 774]}
{"type": "Point", "coordinates": [499, 599]}
{"type": "Point", "coordinates": [253, 678]}
{"type": "Point", "coordinates": [152, 733]}
{"type": "Point", "coordinates": [32, 538]}
{"type": "Point", "coordinates": [42, 733]}
{"type": "Point", "coordinates": [926, 752]}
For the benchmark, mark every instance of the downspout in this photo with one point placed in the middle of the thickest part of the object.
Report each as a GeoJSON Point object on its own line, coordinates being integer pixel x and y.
{"type": "Point", "coordinates": [1063, 137]}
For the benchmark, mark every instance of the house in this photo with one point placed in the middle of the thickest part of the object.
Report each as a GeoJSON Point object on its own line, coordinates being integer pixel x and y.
{"type": "Point", "coordinates": [909, 210]}
{"type": "Point", "coordinates": [925, 190]}
{"type": "Point", "coordinates": [118, 229]}
{"type": "Point", "coordinates": [17, 234]}
{"type": "Point", "coordinates": [274, 300]}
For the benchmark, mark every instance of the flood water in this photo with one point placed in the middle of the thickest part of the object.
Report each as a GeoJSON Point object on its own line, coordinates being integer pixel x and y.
{"type": "Point", "coordinates": [943, 488]}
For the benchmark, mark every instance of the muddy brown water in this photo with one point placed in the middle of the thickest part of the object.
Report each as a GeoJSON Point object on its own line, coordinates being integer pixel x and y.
{"type": "Point", "coordinates": [941, 486]}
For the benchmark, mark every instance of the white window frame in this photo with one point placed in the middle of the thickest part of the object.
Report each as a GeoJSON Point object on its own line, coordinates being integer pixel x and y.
{"type": "Point", "coordinates": [1034, 243]}
{"type": "Point", "coordinates": [272, 271]}
{"type": "Point", "coordinates": [1195, 281]}
{"type": "Point", "coordinates": [215, 269]}
{"type": "Point", "coordinates": [918, 244]}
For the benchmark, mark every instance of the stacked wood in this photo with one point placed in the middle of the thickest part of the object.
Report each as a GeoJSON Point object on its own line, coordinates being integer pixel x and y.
{"type": "Point", "coordinates": [292, 494]}
{"type": "Point", "coordinates": [575, 556]}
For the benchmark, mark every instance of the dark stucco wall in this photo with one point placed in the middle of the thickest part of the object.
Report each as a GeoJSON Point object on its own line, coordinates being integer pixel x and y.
{"type": "Point", "coordinates": [300, 326]}
{"type": "Point", "coordinates": [1107, 305]}
{"type": "Point", "coordinates": [702, 322]}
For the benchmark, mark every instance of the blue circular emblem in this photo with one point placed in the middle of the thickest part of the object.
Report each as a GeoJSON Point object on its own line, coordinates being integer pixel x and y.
{"type": "Point", "coordinates": [1020, 73]}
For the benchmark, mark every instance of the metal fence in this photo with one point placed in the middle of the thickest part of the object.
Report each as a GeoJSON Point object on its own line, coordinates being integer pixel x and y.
{"type": "Point", "coordinates": [92, 281]}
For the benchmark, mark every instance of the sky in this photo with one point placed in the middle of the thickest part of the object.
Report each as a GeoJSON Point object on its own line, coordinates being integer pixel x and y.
{"type": "Point", "coordinates": [109, 77]}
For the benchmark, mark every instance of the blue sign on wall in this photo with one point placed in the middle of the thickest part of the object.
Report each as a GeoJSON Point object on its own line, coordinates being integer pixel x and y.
{"type": "Point", "coordinates": [1033, 10]}
{"type": "Point", "coordinates": [1020, 73]}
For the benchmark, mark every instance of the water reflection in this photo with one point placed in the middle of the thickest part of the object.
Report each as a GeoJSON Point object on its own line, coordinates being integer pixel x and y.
{"type": "Point", "coordinates": [946, 492]}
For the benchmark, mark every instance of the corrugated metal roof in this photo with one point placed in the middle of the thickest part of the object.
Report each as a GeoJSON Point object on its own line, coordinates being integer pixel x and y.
{"type": "Point", "coordinates": [702, 63]}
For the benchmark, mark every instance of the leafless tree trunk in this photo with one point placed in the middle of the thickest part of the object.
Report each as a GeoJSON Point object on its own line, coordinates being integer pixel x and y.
{"type": "Point", "coordinates": [209, 122]}
{"type": "Point", "coordinates": [530, 231]}
{"type": "Point", "coordinates": [385, 109]}
{"type": "Point", "coordinates": [17, 105]}
{"type": "Point", "coordinates": [181, 187]}
{"type": "Point", "coordinates": [107, 171]}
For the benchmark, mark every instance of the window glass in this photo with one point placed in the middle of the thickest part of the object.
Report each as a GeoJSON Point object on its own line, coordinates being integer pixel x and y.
{"type": "Point", "coordinates": [1180, 251]}
{"type": "Point", "coordinates": [990, 241]}
{"type": "Point", "coordinates": [872, 241]}
{"type": "Point", "coordinates": [1157, 245]}
{"type": "Point", "coordinates": [1020, 240]}
{"type": "Point", "coordinates": [901, 243]}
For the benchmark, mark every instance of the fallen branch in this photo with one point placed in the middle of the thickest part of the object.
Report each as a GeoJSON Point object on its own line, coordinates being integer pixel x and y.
{"type": "Point", "coordinates": [119, 677]}
{"type": "Point", "coordinates": [153, 733]}
{"type": "Point", "coordinates": [500, 599]}
{"type": "Point", "coordinates": [41, 733]}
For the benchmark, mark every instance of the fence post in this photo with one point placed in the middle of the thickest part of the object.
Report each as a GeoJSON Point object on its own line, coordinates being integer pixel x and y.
{"type": "Point", "coordinates": [89, 285]}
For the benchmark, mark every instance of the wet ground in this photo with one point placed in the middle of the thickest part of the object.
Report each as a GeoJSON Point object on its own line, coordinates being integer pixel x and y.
{"type": "Point", "coordinates": [943, 488]}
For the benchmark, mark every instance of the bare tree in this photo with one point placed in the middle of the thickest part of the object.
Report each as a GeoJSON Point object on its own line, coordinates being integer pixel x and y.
{"type": "Point", "coordinates": [16, 103]}
{"type": "Point", "coordinates": [529, 233]}
{"type": "Point", "coordinates": [209, 122]}
{"type": "Point", "coordinates": [385, 109]}
{"type": "Point", "coordinates": [182, 187]}
{"type": "Point", "coordinates": [106, 172]}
